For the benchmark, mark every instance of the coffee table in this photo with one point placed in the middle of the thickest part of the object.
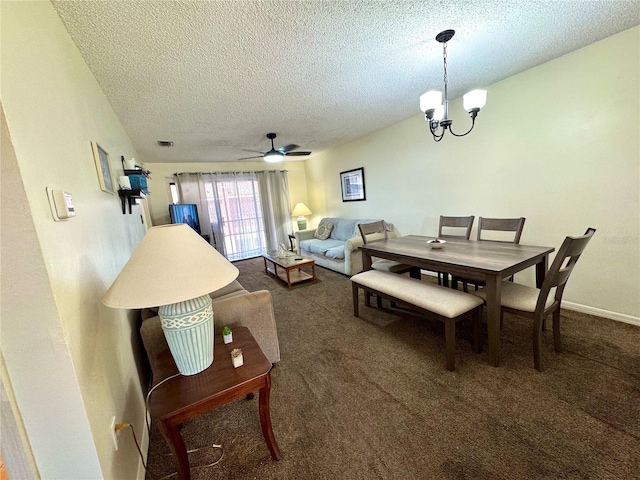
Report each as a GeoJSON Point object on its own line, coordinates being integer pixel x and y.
{"type": "Point", "coordinates": [291, 268]}
{"type": "Point", "coordinates": [185, 397]}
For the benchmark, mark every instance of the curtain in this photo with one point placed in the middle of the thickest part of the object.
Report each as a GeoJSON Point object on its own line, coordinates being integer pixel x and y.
{"type": "Point", "coordinates": [274, 193]}
{"type": "Point", "coordinates": [191, 190]}
{"type": "Point", "coordinates": [248, 212]}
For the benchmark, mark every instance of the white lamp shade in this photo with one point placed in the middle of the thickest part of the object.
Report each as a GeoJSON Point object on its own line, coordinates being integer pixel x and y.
{"type": "Point", "coordinates": [439, 113]}
{"type": "Point", "coordinates": [474, 99]}
{"type": "Point", "coordinates": [300, 210]}
{"type": "Point", "coordinates": [171, 264]}
{"type": "Point", "coordinates": [273, 156]}
{"type": "Point", "coordinates": [430, 100]}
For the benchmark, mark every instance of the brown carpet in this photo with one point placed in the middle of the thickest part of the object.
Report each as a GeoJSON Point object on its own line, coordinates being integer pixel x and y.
{"type": "Point", "coordinates": [370, 398]}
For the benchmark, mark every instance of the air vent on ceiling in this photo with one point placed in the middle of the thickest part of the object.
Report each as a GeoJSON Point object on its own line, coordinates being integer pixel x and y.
{"type": "Point", "coordinates": [165, 143]}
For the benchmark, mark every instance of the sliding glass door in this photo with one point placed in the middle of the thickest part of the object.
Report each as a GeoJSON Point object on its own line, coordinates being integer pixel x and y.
{"type": "Point", "coordinates": [248, 212]}
{"type": "Point", "coordinates": [236, 215]}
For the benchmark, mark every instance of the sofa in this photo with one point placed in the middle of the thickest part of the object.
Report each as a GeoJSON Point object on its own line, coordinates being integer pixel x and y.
{"type": "Point", "coordinates": [341, 250]}
{"type": "Point", "coordinates": [233, 306]}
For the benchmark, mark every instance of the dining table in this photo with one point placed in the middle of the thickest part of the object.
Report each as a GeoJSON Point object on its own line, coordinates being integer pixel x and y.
{"type": "Point", "coordinates": [484, 261]}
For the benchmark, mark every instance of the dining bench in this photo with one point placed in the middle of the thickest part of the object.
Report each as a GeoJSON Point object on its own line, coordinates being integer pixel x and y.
{"type": "Point", "coordinates": [434, 301]}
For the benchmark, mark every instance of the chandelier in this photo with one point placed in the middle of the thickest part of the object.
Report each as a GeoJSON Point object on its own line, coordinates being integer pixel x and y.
{"type": "Point", "coordinates": [436, 112]}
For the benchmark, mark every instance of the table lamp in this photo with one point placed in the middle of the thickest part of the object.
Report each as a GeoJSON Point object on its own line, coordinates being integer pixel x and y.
{"type": "Point", "coordinates": [175, 269]}
{"type": "Point", "coordinates": [300, 210]}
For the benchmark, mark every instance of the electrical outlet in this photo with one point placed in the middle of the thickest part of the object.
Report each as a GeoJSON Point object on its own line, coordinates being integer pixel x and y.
{"type": "Point", "coordinates": [114, 434]}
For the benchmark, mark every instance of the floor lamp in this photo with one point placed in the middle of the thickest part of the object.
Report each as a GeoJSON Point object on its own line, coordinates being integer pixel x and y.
{"type": "Point", "coordinates": [175, 269]}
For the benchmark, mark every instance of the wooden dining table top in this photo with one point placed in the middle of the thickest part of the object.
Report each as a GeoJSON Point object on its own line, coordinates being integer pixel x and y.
{"type": "Point", "coordinates": [459, 255]}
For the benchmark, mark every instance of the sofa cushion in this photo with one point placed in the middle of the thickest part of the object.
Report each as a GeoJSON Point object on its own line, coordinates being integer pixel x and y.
{"type": "Point", "coordinates": [343, 228]}
{"type": "Point", "coordinates": [322, 247]}
{"type": "Point", "coordinates": [324, 230]}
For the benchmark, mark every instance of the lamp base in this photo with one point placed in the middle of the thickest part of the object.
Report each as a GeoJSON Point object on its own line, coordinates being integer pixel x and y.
{"type": "Point", "coordinates": [188, 328]}
{"type": "Point", "coordinates": [302, 223]}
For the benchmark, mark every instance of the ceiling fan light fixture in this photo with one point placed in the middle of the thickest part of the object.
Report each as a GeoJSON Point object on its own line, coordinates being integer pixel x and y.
{"type": "Point", "coordinates": [273, 156]}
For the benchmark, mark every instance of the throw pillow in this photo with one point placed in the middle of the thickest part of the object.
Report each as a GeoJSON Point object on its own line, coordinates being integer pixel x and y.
{"type": "Point", "coordinates": [323, 231]}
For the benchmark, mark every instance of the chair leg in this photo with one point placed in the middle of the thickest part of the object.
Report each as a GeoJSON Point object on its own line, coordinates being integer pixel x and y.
{"type": "Point", "coordinates": [557, 339]}
{"type": "Point", "coordinates": [476, 319]}
{"type": "Point", "coordinates": [367, 298]}
{"type": "Point", "coordinates": [450, 342]}
{"type": "Point", "coordinates": [537, 343]}
{"type": "Point", "coordinates": [379, 301]}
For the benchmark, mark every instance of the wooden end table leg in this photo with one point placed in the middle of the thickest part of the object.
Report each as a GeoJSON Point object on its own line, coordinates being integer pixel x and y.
{"type": "Point", "coordinates": [176, 444]}
{"type": "Point", "coordinates": [265, 419]}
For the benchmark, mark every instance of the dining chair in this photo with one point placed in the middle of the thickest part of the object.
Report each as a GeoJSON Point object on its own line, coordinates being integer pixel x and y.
{"type": "Point", "coordinates": [496, 228]}
{"type": "Point", "coordinates": [376, 231]}
{"type": "Point", "coordinates": [538, 303]}
{"type": "Point", "coordinates": [453, 227]}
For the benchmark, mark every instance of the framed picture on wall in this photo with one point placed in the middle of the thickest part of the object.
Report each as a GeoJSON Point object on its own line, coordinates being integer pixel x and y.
{"type": "Point", "coordinates": [101, 157]}
{"type": "Point", "coordinates": [352, 182]}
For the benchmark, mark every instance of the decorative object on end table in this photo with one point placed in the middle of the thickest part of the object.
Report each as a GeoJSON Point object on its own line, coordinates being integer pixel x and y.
{"type": "Point", "coordinates": [236, 358]}
{"type": "Point", "coordinates": [300, 210]}
{"type": "Point", "coordinates": [227, 335]}
{"type": "Point", "coordinates": [175, 268]}
{"type": "Point", "coordinates": [352, 182]}
{"type": "Point", "coordinates": [101, 158]}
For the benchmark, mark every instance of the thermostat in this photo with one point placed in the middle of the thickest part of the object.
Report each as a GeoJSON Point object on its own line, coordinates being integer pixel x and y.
{"type": "Point", "coordinates": [61, 204]}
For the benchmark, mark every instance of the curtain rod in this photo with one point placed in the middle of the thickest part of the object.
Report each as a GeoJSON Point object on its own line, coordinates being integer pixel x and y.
{"type": "Point", "coordinates": [228, 173]}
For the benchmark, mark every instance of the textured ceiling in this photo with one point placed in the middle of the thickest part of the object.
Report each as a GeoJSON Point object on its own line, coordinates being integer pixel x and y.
{"type": "Point", "coordinates": [215, 76]}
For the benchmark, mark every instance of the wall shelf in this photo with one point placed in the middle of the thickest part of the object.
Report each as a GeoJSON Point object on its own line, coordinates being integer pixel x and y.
{"type": "Point", "coordinates": [128, 196]}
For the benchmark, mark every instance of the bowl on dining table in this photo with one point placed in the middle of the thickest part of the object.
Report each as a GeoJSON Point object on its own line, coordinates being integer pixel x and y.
{"type": "Point", "coordinates": [436, 243]}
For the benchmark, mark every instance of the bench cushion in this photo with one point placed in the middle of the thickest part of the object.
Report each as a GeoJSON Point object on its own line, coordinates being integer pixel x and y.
{"type": "Point", "coordinates": [428, 296]}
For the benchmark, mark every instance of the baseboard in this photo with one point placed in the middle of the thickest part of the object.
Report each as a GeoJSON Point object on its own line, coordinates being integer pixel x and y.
{"type": "Point", "coordinates": [598, 312]}
{"type": "Point", "coordinates": [576, 307]}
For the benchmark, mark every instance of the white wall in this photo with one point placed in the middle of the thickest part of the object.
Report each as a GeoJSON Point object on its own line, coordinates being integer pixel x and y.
{"type": "Point", "coordinates": [162, 173]}
{"type": "Point", "coordinates": [71, 360]}
{"type": "Point", "coordinates": [558, 144]}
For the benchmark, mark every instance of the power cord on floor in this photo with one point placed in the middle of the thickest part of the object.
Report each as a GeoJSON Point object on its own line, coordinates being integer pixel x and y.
{"type": "Point", "coordinates": [122, 426]}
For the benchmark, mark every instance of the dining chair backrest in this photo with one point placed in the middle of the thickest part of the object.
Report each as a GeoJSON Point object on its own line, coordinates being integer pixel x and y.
{"type": "Point", "coordinates": [458, 223]}
{"type": "Point", "coordinates": [562, 266]}
{"type": "Point", "coordinates": [373, 231]}
{"type": "Point", "coordinates": [514, 225]}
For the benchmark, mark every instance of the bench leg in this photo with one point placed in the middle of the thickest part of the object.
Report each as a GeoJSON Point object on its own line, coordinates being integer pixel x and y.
{"type": "Point", "coordinates": [354, 290]}
{"type": "Point", "coordinates": [450, 342]}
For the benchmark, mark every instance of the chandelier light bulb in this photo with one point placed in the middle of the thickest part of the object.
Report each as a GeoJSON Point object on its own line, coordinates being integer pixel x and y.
{"type": "Point", "coordinates": [439, 113]}
{"type": "Point", "coordinates": [475, 99]}
{"type": "Point", "coordinates": [430, 100]}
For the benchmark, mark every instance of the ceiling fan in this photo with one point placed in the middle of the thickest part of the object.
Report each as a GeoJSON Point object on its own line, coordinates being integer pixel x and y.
{"type": "Point", "coordinates": [277, 155]}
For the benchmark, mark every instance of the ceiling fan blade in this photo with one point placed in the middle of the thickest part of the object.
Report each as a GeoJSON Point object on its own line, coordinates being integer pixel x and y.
{"type": "Point", "coordinates": [297, 154]}
{"type": "Point", "coordinates": [288, 148]}
{"type": "Point", "coordinates": [249, 158]}
{"type": "Point", "coordinates": [252, 151]}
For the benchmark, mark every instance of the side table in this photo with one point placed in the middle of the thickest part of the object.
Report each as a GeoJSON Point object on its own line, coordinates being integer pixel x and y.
{"type": "Point", "coordinates": [185, 397]}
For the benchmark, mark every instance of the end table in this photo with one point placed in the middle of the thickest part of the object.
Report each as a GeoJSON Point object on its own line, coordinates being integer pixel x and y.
{"type": "Point", "coordinates": [186, 397]}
